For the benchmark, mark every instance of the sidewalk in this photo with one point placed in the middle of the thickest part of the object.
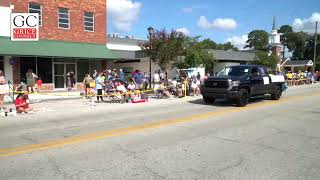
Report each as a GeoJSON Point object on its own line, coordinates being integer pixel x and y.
{"type": "Point", "coordinates": [43, 96]}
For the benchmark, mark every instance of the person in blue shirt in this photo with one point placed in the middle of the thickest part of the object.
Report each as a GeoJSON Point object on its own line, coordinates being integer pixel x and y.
{"type": "Point", "coordinates": [99, 87]}
{"type": "Point", "coordinates": [122, 76]}
{"type": "Point", "coordinates": [139, 80]}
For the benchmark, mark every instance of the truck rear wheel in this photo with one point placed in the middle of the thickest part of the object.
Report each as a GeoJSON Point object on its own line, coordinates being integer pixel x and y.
{"type": "Point", "coordinates": [276, 95]}
{"type": "Point", "coordinates": [243, 100]}
{"type": "Point", "coordinates": [208, 100]}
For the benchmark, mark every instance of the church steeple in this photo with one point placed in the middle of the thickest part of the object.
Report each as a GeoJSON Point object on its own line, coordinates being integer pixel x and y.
{"type": "Point", "coordinates": [274, 23]}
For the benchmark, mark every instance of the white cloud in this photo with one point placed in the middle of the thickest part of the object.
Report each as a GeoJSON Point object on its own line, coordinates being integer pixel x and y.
{"type": "Point", "coordinates": [184, 30]}
{"type": "Point", "coordinates": [123, 14]}
{"type": "Point", "coordinates": [307, 24]}
{"type": "Point", "coordinates": [219, 23]}
{"type": "Point", "coordinates": [238, 41]}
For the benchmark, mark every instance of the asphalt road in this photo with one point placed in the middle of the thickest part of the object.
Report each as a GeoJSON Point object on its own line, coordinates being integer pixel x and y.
{"type": "Point", "coordinates": [166, 139]}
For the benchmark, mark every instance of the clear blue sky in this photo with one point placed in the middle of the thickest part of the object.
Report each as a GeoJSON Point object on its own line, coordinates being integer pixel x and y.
{"type": "Point", "coordinates": [248, 15]}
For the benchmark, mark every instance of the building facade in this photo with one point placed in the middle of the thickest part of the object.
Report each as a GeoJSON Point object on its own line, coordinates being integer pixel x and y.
{"type": "Point", "coordinates": [231, 58]}
{"type": "Point", "coordinates": [72, 37]}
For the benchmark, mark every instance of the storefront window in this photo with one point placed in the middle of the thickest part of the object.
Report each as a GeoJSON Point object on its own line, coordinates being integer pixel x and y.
{"type": "Point", "coordinates": [82, 69]}
{"type": "Point", "coordinates": [25, 64]}
{"type": "Point", "coordinates": [44, 69]}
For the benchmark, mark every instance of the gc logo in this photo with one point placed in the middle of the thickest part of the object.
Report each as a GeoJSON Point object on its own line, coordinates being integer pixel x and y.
{"type": "Point", "coordinates": [24, 27]}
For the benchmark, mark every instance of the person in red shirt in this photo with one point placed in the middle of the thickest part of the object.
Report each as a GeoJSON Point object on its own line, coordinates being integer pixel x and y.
{"type": "Point", "coordinates": [22, 104]}
{"type": "Point", "coordinates": [39, 83]}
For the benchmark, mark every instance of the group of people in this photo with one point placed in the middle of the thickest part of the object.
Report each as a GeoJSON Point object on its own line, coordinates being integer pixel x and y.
{"type": "Point", "coordinates": [300, 77]}
{"type": "Point", "coordinates": [114, 82]}
{"type": "Point", "coordinates": [21, 101]}
{"type": "Point", "coordinates": [102, 84]}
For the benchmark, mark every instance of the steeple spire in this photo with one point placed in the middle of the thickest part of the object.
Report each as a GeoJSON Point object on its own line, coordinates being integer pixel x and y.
{"type": "Point", "coordinates": [274, 23]}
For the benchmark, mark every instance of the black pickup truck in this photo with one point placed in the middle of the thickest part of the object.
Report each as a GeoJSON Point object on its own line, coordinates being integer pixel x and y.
{"type": "Point", "coordinates": [239, 83]}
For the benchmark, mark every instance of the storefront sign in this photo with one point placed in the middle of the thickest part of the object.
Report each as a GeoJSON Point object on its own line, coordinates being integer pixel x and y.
{"type": "Point", "coordinates": [24, 27]}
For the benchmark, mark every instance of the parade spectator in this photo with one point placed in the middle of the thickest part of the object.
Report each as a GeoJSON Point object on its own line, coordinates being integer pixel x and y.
{"type": "Point", "coordinates": [206, 76]}
{"type": "Point", "coordinates": [120, 87]}
{"type": "Point", "coordinates": [131, 86]}
{"type": "Point", "coordinates": [156, 77]}
{"type": "Point", "coordinates": [122, 76]}
{"type": "Point", "coordinates": [22, 104]}
{"type": "Point", "coordinates": [95, 74]}
{"type": "Point", "coordinates": [39, 84]}
{"type": "Point", "coordinates": [198, 75]}
{"type": "Point", "coordinates": [71, 80]}
{"type": "Point", "coordinates": [162, 89]}
{"type": "Point", "coordinates": [146, 80]}
{"type": "Point", "coordinates": [99, 87]}
{"type": "Point", "coordinates": [139, 80]}
{"type": "Point", "coordinates": [3, 89]}
{"type": "Point", "coordinates": [195, 86]}
{"type": "Point", "coordinates": [31, 80]}
{"type": "Point", "coordinates": [86, 82]}
{"type": "Point", "coordinates": [317, 76]}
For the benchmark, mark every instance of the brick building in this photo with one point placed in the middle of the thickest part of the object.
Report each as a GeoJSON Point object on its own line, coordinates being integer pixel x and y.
{"type": "Point", "coordinates": [72, 36]}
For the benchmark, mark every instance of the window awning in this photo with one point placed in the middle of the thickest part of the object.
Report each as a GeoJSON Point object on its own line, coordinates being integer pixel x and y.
{"type": "Point", "coordinates": [55, 49]}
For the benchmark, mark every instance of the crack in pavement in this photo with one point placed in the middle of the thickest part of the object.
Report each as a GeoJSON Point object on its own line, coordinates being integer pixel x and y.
{"type": "Point", "coordinates": [142, 162]}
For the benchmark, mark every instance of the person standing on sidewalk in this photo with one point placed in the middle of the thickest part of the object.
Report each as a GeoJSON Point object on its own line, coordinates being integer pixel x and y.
{"type": "Point", "coordinates": [3, 89]}
{"type": "Point", "coordinates": [71, 80]}
{"type": "Point", "coordinates": [31, 80]}
{"type": "Point", "coordinates": [99, 87]}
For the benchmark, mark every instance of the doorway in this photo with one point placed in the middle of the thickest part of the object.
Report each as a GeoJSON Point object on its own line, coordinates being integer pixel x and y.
{"type": "Point", "coordinates": [60, 74]}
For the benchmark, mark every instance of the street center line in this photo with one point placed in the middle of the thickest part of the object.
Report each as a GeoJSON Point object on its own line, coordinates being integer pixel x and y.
{"type": "Point", "coordinates": [138, 128]}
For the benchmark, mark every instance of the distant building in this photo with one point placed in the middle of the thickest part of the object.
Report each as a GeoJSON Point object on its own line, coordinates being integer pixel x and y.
{"type": "Point", "coordinates": [274, 41]}
{"type": "Point", "coordinates": [231, 58]}
{"type": "Point", "coordinates": [297, 65]}
{"type": "Point", "coordinates": [129, 55]}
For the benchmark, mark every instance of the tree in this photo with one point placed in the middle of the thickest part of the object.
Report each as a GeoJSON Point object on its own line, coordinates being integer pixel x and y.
{"type": "Point", "coordinates": [257, 39]}
{"type": "Point", "coordinates": [208, 44]}
{"type": "Point", "coordinates": [296, 43]}
{"type": "Point", "coordinates": [263, 58]}
{"type": "Point", "coordinates": [286, 30]}
{"type": "Point", "coordinates": [164, 47]}
{"type": "Point", "coordinates": [196, 53]}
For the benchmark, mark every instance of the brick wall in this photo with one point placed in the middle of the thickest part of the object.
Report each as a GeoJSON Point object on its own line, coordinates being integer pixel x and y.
{"type": "Point", "coordinates": [49, 29]}
{"type": "Point", "coordinates": [5, 3]}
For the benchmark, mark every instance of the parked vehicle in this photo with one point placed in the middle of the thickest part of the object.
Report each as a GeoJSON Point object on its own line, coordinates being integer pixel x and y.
{"type": "Point", "coordinates": [239, 83]}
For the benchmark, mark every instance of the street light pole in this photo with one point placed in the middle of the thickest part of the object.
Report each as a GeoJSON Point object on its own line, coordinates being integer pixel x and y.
{"type": "Point", "coordinates": [151, 32]}
{"type": "Point", "coordinates": [315, 48]}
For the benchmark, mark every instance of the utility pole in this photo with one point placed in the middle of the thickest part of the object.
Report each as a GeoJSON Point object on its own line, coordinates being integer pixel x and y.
{"type": "Point", "coordinates": [315, 48]}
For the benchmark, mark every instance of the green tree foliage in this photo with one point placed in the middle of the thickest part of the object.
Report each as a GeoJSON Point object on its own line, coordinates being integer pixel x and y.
{"type": "Point", "coordinates": [257, 39]}
{"type": "Point", "coordinates": [286, 30]}
{"type": "Point", "coordinates": [208, 44]}
{"type": "Point", "coordinates": [164, 47]}
{"type": "Point", "coordinates": [196, 53]}
{"type": "Point", "coordinates": [296, 43]}
{"type": "Point", "coordinates": [263, 58]}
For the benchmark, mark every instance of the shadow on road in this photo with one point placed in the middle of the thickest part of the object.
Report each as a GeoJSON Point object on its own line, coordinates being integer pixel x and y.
{"type": "Point", "coordinates": [225, 103]}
